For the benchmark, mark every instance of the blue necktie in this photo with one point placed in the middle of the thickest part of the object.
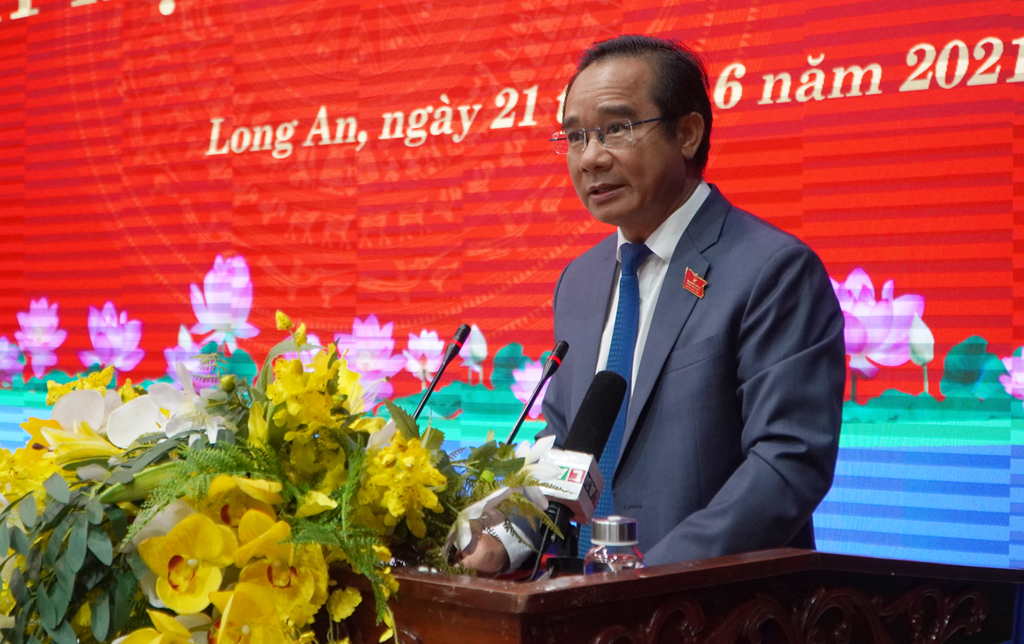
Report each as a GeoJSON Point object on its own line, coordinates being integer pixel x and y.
{"type": "Point", "coordinates": [620, 360]}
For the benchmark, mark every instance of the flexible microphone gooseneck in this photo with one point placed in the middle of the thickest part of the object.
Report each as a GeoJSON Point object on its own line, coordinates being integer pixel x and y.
{"type": "Point", "coordinates": [453, 350]}
{"type": "Point", "coordinates": [589, 434]}
{"type": "Point", "coordinates": [550, 367]}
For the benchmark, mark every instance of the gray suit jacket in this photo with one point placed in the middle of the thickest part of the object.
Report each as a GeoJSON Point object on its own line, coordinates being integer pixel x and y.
{"type": "Point", "coordinates": [733, 427]}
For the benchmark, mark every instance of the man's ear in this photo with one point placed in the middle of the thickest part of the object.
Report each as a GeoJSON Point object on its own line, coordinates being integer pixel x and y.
{"type": "Point", "coordinates": [691, 133]}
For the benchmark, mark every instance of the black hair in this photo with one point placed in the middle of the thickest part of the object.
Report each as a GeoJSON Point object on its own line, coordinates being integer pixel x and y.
{"type": "Point", "coordinates": [681, 83]}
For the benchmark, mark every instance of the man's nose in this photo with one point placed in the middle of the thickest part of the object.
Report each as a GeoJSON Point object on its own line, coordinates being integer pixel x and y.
{"type": "Point", "coordinates": [594, 155]}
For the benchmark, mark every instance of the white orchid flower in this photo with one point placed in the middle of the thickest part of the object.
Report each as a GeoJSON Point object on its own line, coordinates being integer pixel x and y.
{"type": "Point", "coordinates": [475, 519]}
{"type": "Point", "coordinates": [382, 436]}
{"type": "Point", "coordinates": [537, 466]}
{"type": "Point", "coordinates": [85, 406]}
{"type": "Point", "coordinates": [143, 415]}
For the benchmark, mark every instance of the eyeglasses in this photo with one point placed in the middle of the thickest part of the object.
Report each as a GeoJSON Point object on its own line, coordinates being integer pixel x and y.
{"type": "Point", "coordinates": [614, 135]}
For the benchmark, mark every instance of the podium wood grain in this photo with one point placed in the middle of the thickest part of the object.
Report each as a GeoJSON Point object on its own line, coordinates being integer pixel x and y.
{"type": "Point", "coordinates": [776, 596]}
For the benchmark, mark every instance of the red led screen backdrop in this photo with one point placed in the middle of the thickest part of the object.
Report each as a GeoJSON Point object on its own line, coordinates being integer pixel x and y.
{"type": "Point", "coordinates": [172, 172]}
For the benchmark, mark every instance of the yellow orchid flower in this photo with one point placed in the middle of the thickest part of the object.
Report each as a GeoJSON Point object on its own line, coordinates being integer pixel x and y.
{"type": "Point", "coordinates": [343, 603]}
{"type": "Point", "coordinates": [187, 562]}
{"type": "Point", "coordinates": [283, 321]}
{"type": "Point", "coordinates": [261, 536]}
{"type": "Point", "coordinates": [245, 618]}
{"type": "Point", "coordinates": [79, 444]}
{"type": "Point", "coordinates": [314, 503]}
{"type": "Point", "coordinates": [259, 432]}
{"type": "Point", "coordinates": [289, 586]}
{"type": "Point", "coordinates": [309, 559]}
{"type": "Point", "coordinates": [230, 497]}
{"type": "Point", "coordinates": [55, 391]}
{"type": "Point", "coordinates": [167, 631]}
{"type": "Point", "coordinates": [127, 392]}
{"type": "Point", "coordinates": [398, 479]}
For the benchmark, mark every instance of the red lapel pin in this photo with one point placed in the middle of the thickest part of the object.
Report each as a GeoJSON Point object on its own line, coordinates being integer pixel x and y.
{"type": "Point", "coordinates": [693, 283]}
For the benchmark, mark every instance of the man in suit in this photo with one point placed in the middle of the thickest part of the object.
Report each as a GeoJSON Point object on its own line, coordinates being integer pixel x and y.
{"type": "Point", "coordinates": [726, 328]}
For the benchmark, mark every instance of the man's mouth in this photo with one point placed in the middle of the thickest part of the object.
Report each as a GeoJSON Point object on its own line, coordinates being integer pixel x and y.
{"type": "Point", "coordinates": [602, 188]}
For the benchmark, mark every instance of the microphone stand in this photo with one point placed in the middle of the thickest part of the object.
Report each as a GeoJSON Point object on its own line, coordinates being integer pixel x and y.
{"type": "Point", "coordinates": [554, 361]}
{"type": "Point", "coordinates": [453, 350]}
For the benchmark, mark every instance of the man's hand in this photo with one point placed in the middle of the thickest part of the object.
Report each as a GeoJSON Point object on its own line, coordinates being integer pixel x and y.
{"type": "Point", "coordinates": [487, 556]}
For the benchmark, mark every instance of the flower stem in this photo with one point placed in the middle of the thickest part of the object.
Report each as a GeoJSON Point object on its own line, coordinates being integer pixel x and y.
{"type": "Point", "coordinates": [853, 386]}
{"type": "Point", "coordinates": [925, 369]}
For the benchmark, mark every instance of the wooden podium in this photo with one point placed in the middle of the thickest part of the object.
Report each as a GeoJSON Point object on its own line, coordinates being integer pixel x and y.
{"type": "Point", "coordinates": [786, 595]}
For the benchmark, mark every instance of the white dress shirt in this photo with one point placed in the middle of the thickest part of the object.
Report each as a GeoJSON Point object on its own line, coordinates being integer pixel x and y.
{"type": "Point", "coordinates": [651, 276]}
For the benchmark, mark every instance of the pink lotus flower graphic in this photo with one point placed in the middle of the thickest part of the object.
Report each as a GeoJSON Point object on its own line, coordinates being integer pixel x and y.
{"type": "Point", "coordinates": [424, 355]}
{"type": "Point", "coordinates": [222, 307]}
{"type": "Point", "coordinates": [11, 363]}
{"type": "Point", "coordinates": [526, 380]}
{"type": "Point", "coordinates": [369, 351]}
{"type": "Point", "coordinates": [115, 339]}
{"type": "Point", "coordinates": [39, 336]}
{"type": "Point", "coordinates": [474, 352]}
{"type": "Point", "coordinates": [184, 352]}
{"type": "Point", "coordinates": [1013, 379]}
{"type": "Point", "coordinates": [877, 332]}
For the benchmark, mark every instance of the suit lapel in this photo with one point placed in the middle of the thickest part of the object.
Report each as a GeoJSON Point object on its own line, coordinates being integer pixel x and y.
{"type": "Point", "coordinates": [675, 303]}
{"type": "Point", "coordinates": [591, 320]}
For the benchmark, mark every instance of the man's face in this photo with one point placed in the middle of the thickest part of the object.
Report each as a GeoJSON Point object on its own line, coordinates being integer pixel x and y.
{"type": "Point", "coordinates": [636, 187]}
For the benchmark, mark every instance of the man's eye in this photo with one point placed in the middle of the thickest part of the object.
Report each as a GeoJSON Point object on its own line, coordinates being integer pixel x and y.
{"type": "Point", "coordinates": [575, 137]}
{"type": "Point", "coordinates": [616, 128]}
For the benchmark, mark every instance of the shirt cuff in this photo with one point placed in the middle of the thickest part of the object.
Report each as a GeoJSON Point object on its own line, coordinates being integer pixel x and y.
{"type": "Point", "coordinates": [518, 552]}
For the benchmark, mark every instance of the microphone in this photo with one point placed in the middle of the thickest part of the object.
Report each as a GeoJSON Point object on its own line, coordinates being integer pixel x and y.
{"type": "Point", "coordinates": [550, 367]}
{"type": "Point", "coordinates": [580, 476]}
{"type": "Point", "coordinates": [453, 350]}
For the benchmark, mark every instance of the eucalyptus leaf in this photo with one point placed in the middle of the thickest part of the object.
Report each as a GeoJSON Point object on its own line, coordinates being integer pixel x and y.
{"type": "Point", "coordinates": [94, 511]}
{"type": "Point", "coordinates": [5, 541]}
{"type": "Point", "coordinates": [55, 543]}
{"type": "Point", "coordinates": [57, 487]}
{"type": "Point", "coordinates": [34, 563]}
{"type": "Point", "coordinates": [17, 586]}
{"type": "Point", "coordinates": [19, 541]}
{"type": "Point", "coordinates": [77, 543]}
{"type": "Point", "coordinates": [99, 544]}
{"type": "Point", "coordinates": [27, 511]}
{"type": "Point", "coordinates": [118, 522]}
{"type": "Point", "coordinates": [61, 597]}
{"type": "Point", "coordinates": [63, 634]}
{"type": "Point", "coordinates": [124, 596]}
{"type": "Point", "coordinates": [65, 575]}
{"type": "Point", "coordinates": [403, 420]}
{"type": "Point", "coordinates": [33, 640]}
{"type": "Point", "coordinates": [121, 475]}
{"type": "Point", "coordinates": [153, 454]}
{"type": "Point", "coordinates": [92, 576]}
{"type": "Point", "coordinates": [47, 615]}
{"type": "Point", "coordinates": [101, 617]}
{"type": "Point", "coordinates": [138, 565]}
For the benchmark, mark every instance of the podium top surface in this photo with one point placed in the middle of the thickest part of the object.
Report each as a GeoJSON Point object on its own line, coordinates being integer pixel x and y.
{"type": "Point", "coordinates": [578, 591]}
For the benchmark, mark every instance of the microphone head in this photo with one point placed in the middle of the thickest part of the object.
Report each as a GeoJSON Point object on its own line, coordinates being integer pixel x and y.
{"type": "Point", "coordinates": [560, 350]}
{"type": "Point", "coordinates": [461, 334]}
{"type": "Point", "coordinates": [594, 421]}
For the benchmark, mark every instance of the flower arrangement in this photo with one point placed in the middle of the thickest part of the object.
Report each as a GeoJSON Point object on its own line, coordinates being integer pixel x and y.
{"type": "Point", "coordinates": [158, 515]}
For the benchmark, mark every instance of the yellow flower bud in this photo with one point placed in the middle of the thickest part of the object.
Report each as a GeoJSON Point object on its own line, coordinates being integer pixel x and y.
{"type": "Point", "coordinates": [227, 383]}
{"type": "Point", "coordinates": [283, 321]}
{"type": "Point", "coordinates": [300, 335]}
